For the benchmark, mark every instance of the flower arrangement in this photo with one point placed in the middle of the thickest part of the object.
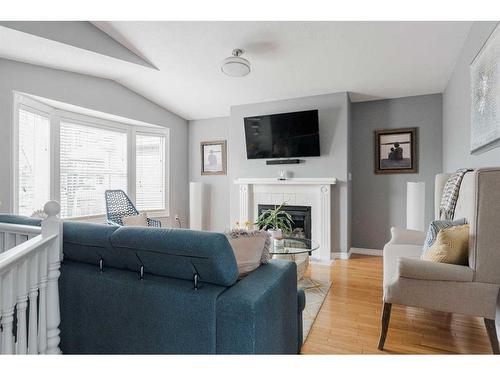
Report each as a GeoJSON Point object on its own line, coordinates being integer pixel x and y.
{"type": "Point", "coordinates": [247, 225]}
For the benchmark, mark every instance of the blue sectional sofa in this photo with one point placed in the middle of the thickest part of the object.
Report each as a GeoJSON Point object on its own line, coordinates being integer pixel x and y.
{"type": "Point", "coordinates": [133, 290]}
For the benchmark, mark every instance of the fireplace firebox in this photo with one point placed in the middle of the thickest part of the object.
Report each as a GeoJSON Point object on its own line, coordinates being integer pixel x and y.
{"type": "Point", "coordinates": [301, 216]}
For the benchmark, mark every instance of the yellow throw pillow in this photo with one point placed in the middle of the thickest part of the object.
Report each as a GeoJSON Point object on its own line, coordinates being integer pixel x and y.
{"type": "Point", "coordinates": [451, 246]}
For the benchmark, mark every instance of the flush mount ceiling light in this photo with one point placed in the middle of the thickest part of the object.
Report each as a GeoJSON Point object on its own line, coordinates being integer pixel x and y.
{"type": "Point", "coordinates": [236, 66]}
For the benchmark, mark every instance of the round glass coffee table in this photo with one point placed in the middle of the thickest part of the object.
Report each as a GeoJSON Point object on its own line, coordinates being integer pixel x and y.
{"type": "Point", "coordinates": [295, 249]}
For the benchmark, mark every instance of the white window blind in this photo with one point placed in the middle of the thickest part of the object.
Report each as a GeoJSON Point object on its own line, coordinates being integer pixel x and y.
{"type": "Point", "coordinates": [92, 160]}
{"type": "Point", "coordinates": [150, 172]}
{"type": "Point", "coordinates": [33, 162]}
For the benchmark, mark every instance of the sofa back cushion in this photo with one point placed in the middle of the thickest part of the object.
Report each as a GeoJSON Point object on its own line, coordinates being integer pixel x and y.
{"type": "Point", "coordinates": [89, 243]}
{"type": "Point", "coordinates": [178, 253]}
{"type": "Point", "coordinates": [21, 220]}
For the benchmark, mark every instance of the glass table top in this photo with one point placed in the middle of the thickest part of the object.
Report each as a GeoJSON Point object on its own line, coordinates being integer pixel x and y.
{"type": "Point", "coordinates": [289, 245]}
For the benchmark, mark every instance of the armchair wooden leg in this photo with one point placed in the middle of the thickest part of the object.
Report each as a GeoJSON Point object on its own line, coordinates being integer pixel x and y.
{"type": "Point", "coordinates": [492, 334]}
{"type": "Point", "coordinates": [386, 316]}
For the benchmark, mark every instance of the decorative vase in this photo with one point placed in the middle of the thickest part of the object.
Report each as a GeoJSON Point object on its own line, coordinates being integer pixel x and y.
{"type": "Point", "coordinates": [275, 233]}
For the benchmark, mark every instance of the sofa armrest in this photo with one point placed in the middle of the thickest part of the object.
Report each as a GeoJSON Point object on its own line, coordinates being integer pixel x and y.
{"type": "Point", "coordinates": [259, 314]}
{"type": "Point", "coordinates": [426, 270]}
{"type": "Point", "coordinates": [400, 236]}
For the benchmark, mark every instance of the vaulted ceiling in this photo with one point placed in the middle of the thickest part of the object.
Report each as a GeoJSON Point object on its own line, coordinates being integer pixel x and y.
{"type": "Point", "coordinates": [177, 64]}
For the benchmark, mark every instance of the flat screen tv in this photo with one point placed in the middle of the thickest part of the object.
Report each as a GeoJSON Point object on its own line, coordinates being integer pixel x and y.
{"type": "Point", "coordinates": [283, 135]}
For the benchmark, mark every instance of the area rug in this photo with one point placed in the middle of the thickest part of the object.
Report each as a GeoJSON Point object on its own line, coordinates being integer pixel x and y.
{"type": "Point", "coordinates": [315, 291]}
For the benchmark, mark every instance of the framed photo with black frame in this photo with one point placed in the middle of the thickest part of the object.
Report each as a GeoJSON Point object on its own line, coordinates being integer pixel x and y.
{"type": "Point", "coordinates": [396, 151]}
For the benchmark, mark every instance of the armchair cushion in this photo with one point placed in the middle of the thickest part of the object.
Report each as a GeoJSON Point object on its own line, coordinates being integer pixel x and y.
{"type": "Point", "coordinates": [402, 236]}
{"type": "Point", "coordinates": [425, 270]}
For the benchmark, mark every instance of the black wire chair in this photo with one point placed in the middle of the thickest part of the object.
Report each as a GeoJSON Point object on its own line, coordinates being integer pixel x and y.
{"type": "Point", "coordinates": [119, 205]}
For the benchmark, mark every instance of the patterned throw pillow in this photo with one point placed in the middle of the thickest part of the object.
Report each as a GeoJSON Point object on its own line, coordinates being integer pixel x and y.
{"type": "Point", "coordinates": [434, 229]}
{"type": "Point", "coordinates": [451, 246]}
{"type": "Point", "coordinates": [140, 220]}
{"type": "Point", "coordinates": [251, 249]}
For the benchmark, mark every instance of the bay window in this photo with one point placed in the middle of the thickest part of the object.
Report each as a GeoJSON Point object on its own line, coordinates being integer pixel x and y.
{"type": "Point", "coordinates": [150, 172]}
{"type": "Point", "coordinates": [33, 160]}
{"type": "Point", "coordinates": [92, 160]}
{"type": "Point", "coordinates": [88, 156]}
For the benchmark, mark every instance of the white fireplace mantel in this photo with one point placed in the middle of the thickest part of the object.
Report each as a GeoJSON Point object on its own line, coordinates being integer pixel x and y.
{"type": "Point", "coordinates": [312, 192]}
{"type": "Point", "coordinates": [288, 181]}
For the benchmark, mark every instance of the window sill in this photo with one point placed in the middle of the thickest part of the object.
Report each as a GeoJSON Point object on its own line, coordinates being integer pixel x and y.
{"type": "Point", "coordinates": [153, 214]}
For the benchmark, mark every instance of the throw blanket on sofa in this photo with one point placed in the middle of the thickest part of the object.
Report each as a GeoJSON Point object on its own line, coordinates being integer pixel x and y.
{"type": "Point", "coordinates": [450, 194]}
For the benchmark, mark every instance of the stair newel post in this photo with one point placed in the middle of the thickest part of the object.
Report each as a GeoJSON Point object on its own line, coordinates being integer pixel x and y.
{"type": "Point", "coordinates": [50, 226]}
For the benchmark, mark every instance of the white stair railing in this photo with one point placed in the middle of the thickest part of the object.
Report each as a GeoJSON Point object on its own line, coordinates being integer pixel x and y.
{"type": "Point", "coordinates": [30, 258]}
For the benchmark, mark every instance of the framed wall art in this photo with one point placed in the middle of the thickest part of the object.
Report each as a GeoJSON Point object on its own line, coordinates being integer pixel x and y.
{"type": "Point", "coordinates": [485, 96]}
{"type": "Point", "coordinates": [213, 158]}
{"type": "Point", "coordinates": [396, 151]}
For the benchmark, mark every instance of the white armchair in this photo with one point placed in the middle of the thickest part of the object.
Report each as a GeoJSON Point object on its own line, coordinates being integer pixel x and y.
{"type": "Point", "coordinates": [470, 290]}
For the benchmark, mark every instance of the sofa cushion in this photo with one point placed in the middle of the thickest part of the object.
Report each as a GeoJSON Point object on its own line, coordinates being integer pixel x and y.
{"type": "Point", "coordinates": [178, 253]}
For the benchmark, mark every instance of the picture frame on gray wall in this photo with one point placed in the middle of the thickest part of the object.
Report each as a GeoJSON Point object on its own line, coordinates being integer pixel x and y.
{"type": "Point", "coordinates": [396, 151]}
{"type": "Point", "coordinates": [213, 158]}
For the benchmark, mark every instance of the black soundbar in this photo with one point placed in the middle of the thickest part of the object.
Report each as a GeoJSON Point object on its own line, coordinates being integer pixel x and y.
{"type": "Point", "coordinates": [282, 161]}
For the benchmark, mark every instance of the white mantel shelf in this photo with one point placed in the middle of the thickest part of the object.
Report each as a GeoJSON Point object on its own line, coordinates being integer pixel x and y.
{"type": "Point", "coordinates": [288, 181]}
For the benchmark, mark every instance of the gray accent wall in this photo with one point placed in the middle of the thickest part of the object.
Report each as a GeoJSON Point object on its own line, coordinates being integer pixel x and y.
{"type": "Point", "coordinates": [214, 129]}
{"type": "Point", "coordinates": [93, 93]}
{"type": "Point", "coordinates": [379, 201]}
{"type": "Point", "coordinates": [456, 108]}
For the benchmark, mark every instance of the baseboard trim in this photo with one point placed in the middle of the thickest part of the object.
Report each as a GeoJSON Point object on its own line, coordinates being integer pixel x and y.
{"type": "Point", "coordinates": [341, 255]}
{"type": "Point", "coordinates": [364, 251]}
{"type": "Point", "coordinates": [320, 262]}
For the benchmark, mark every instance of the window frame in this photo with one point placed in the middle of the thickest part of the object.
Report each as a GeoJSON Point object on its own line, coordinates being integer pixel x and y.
{"type": "Point", "coordinates": [56, 116]}
{"type": "Point", "coordinates": [156, 212]}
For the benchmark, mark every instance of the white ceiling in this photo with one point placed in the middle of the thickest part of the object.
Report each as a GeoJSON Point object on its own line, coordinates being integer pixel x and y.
{"type": "Point", "coordinates": [289, 59]}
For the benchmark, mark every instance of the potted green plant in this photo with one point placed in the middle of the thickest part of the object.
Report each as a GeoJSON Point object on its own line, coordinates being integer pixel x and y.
{"type": "Point", "coordinates": [276, 221]}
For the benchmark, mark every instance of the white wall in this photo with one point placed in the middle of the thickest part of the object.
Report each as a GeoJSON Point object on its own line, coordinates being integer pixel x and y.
{"type": "Point", "coordinates": [456, 108]}
{"type": "Point", "coordinates": [456, 113]}
{"type": "Point", "coordinates": [214, 129]}
{"type": "Point", "coordinates": [97, 94]}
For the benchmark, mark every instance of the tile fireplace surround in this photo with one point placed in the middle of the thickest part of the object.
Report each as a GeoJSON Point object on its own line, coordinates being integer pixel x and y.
{"type": "Point", "coordinates": [312, 192]}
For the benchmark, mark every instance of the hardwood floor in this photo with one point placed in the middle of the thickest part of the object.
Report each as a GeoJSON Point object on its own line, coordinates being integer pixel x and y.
{"type": "Point", "coordinates": [349, 320]}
